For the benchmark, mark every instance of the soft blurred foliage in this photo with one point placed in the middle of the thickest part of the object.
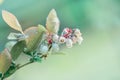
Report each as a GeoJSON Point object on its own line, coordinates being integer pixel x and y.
{"type": "Point", "coordinates": [1, 1]}
{"type": "Point", "coordinates": [98, 56]}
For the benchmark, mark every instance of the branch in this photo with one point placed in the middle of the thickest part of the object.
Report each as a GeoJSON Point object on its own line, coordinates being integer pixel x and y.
{"type": "Point", "coordinates": [25, 64]}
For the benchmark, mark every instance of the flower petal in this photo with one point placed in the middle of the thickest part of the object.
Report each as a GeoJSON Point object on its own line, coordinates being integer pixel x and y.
{"type": "Point", "coordinates": [69, 43]}
{"type": "Point", "coordinates": [55, 47]}
{"type": "Point", "coordinates": [80, 39]}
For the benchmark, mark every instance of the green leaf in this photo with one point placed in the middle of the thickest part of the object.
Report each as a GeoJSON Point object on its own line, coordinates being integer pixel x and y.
{"type": "Point", "coordinates": [35, 35]}
{"type": "Point", "coordinates": [17, 49]}
{"type": "Point", "coordinates": [12, 69]}
{"type": "Point", "coordinates": [5, 61]}
{"type": "Point", "coordinates": [10, 44]}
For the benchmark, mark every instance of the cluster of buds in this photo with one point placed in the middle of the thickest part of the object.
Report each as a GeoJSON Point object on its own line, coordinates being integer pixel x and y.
{"type": "Point", "coordinates": [68, 36]}
{"type": "Point", "coordinates": [52, 41]}
{"type": "Point", "coordinates": [71, 36]}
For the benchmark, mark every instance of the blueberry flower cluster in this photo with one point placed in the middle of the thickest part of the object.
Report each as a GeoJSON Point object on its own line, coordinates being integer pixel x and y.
{"type": "Point", "coordinates": [36, 42]}
{"type": "Point", "coordinates": [68, 37]}
{"type": "Point", "coordinates": [52, 41]}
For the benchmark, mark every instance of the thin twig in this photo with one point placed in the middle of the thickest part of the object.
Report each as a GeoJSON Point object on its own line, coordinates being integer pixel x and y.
{"type": "Point", "coordinates": [25, 64]}
{"type": "Point", "coordinates": [28, 63]}
{"type": "Point", "coordinates": [19, 67]}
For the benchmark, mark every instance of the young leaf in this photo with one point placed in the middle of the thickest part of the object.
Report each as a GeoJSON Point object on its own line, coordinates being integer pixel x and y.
{"type": "Point", "coordinates": [12, 36]}
{"type": "Point", "coordinates": [35, 35]}
{"type": "Point", "coordinates": [5, 61]}
{"type": "Point", "coordinates": [10, 44]}
{"type": "Point", "coordinates": [17, 49]}
{"type": "Point", "coordinates": [52, 22]}
{"type": "Point", "coordinates": [16, 36]}
{"type": "Point", "coordinates": [11, 20]}
{"type": "Point", "coordinates": [12, 69]}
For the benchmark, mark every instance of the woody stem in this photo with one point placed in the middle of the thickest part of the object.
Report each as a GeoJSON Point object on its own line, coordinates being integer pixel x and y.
{"type": "Point", "coordinates": [25, 64]}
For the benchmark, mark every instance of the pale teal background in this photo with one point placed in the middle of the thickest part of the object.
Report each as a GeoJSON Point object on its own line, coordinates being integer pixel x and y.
{"type": "Point", "coordinates": [97, 58]}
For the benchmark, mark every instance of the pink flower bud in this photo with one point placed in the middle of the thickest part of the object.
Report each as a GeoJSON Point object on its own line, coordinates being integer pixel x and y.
{"type": "Point", "coordinates": [50, 41]}
{"type": "Point", "coordinates": [67, 32]}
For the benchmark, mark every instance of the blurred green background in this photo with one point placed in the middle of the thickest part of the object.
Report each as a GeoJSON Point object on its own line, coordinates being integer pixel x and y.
{"type": "Point", "coordinates": [97, 58]}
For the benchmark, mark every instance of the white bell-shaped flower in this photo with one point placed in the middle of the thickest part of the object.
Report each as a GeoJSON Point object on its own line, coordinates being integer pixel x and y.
{"type": "Point", "coordinates": [62, 39]}
{"type": "Point", "coordinates": [55, 47]}
{"type": "Point", "coordinates": [69, 43]}
{"type": "Point", "coordinates": [77, 33]}
{"type": "Point", "coordinates": [80, 39]}
{"type": "Point", "coordinates": [55, 37]}
{"type": "Point", "coordinates": [74, 39]}
{"type": "Point", "coordinates": [43, 49]}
